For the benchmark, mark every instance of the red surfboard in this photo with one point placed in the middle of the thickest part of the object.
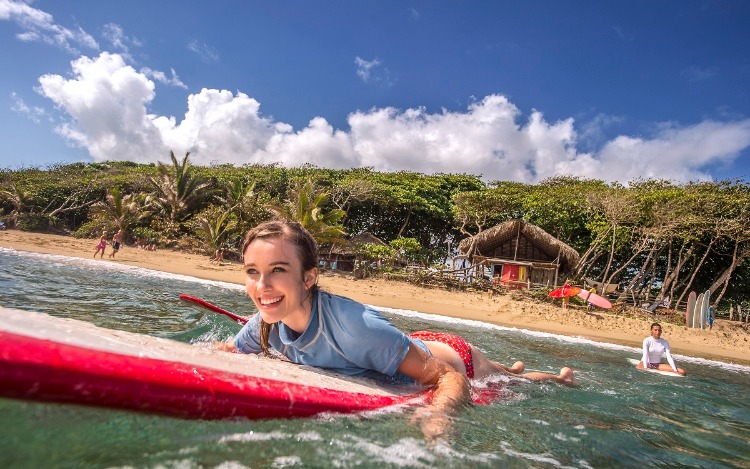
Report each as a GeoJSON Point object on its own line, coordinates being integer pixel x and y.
{"type": "Point", "coordinates": [52, 359]}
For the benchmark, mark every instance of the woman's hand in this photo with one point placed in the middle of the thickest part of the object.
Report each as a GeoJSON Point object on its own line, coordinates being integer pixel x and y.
{"type": "Point", "coordinates": [225, 346]}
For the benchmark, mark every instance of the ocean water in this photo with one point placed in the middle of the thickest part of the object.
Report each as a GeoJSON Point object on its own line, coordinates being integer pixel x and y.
{"type": "Point", "coordinates": [616, 417]}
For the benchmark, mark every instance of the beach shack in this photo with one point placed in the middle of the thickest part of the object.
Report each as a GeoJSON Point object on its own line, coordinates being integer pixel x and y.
{"type": "Point", "coordinates": [517, 254]}
{"type": "Point", "coordinates": [343, 257]}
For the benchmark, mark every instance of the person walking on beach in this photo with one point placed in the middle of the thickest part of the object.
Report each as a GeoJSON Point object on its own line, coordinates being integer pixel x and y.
{"type": "Point", "coordinates": [653, 349]}
{"type": "Point", "coordinates": [102, 245]}
{"type": "Point", "coordinates": [312, 327]}
{"type": "Point", "coordinates": [116, 243]}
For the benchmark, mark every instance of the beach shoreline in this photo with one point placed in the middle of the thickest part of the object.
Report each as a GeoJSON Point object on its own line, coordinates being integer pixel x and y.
{"type": "Point", "coordinates": [728, 341]}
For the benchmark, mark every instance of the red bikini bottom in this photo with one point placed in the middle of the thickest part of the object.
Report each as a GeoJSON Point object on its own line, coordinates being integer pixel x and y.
{"type": "Point", "coordinates": [455, 342]}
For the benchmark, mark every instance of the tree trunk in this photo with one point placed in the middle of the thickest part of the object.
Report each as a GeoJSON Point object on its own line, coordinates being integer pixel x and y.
{"type": "Point", "coordinates": [697, 268]}
{"type": "Point", "coordinates": [725, 276]}
{"type": "Point", "coordinates": [611, 254]}
{"type": "Point", "coordinates": [670, 278]}
{"type": "Point", "coordinates": [584, 261]}
{"type": "Point", "coordinates": [638, 276]}
{"type": "Point", "coordinates": [406, 222]}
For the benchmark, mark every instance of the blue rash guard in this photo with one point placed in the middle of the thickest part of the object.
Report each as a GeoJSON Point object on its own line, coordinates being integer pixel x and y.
{"type": "Point", "coordinates": [343, 335]}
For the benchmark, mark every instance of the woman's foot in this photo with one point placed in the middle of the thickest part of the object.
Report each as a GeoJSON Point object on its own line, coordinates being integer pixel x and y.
{"type": "Point", "coordinates": [567, 376]}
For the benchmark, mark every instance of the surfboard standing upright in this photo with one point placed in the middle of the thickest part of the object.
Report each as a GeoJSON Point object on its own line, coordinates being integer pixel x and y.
{"type": "Point", "coordinates": [704, 308]}
{"type": "Point", "coordinates": [695, 323]}
{"type": "Point", "coordinates": [690, 310]}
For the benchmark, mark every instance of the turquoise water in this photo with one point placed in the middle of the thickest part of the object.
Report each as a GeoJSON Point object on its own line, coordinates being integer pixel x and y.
{"type": "Point", "coordinates": [617, 417]}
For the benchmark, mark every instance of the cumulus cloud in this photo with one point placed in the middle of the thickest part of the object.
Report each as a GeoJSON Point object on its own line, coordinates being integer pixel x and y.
{"type": "Point", "coordinates": [39, 26]}
{"type": "Point", "coordinates": [107, 105]}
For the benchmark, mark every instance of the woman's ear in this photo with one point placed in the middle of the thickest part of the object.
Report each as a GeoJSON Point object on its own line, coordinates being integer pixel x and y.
{"type": "Point", "coordinates": [311, 278]}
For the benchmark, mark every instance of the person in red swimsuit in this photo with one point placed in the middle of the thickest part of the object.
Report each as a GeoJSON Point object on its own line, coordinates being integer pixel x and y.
{"type": "Point", "coordinates": [466, 358]}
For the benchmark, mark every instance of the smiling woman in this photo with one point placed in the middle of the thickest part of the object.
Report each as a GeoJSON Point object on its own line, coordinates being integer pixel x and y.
{"type": "Point", "coordinates": [316, 328]}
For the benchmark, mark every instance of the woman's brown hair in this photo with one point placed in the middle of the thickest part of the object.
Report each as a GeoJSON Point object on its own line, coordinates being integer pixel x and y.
{"type": "Point", "coordinates": [307, 252]}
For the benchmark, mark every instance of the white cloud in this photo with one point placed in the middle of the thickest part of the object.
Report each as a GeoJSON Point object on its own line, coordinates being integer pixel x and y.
{"type": "Point", "coordinates": [118, 39]}
{"type": "Point", "coordinates": [372, 71]}
{"type": "Point", "coordinates": [39, 26]}
{"type": "Point", "coordinates": [678, 153]}
{"type": "Point", "coordinates": [33, 113]}
{"type": "Point", "coordinates": [695, 74]}
{"type": "Point", "coordinates": [206, 53]}
{"type": "Point", "coordinates": [365, 67]}
{"type": "Point", "coordinates": [162, 77]}
{"type": "Point", "coordinates": [107, 103]}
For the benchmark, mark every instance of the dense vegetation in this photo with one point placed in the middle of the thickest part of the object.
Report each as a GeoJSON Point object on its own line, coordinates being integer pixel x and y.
{"type": "Point", "coordinates": [650, 236]}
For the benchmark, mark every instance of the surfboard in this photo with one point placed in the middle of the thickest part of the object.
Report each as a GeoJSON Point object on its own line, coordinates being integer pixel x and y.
{"type": "Point", "coordinates": [595, 299]}
{"type": "Point", "coordinates": [635, 362]}
{"type": "Point", "coordinates": [45, 358]}
{"type": "Point", "coordinates": [704, 309]}
{"type": "Point", "coordinates": [51, 359]}
{"type": "Point", "coordinates": [697, 313]}
{"type": "Point", "coordinates": [690, 310]}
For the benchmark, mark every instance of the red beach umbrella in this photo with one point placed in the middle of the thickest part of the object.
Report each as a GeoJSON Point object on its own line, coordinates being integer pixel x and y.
{"type": "Point", "coordinates": [565, 291]}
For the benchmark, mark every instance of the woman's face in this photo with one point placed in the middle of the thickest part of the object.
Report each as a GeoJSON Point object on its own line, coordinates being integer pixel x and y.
{"type": "Point", "coordinates": [656, 332]}
{"type": "Point", "coordinates": [276, 283]}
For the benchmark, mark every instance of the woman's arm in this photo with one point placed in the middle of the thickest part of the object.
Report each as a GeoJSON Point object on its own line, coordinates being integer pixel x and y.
{"type": "Point", "coordinates": [645, 352]}
{"type": "Point", "coordinates": [452, 389]}
{"type": "Point", "coordinates": [669, 356]}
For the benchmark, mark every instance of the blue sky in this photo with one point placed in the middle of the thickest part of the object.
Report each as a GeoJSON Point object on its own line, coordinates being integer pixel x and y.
{"type": "Point", "coordinates": [516, 91]}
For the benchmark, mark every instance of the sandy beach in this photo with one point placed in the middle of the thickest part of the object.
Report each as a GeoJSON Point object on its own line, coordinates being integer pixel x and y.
{"type": "Point", "coordinates": [728, 341]}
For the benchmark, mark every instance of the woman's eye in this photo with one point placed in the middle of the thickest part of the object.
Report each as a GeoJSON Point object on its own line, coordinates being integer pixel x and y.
{"type": "Point", "coordinates": [251, 271]}
{"type": "Point", "coordinates": [278, 269]}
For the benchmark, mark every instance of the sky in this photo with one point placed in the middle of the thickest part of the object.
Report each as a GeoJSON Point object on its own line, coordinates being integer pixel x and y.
{"type": "Point", "coordinates": [507, 91]}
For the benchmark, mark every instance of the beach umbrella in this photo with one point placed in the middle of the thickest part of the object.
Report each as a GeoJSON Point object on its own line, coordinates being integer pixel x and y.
{"type": "Point", "coordinates": [565, 291]}
{"type": "Point", "coordinates": [595, 299]}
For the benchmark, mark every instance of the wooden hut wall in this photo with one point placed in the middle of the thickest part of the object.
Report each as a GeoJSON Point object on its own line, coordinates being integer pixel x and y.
{"type": "Point", "coordinates": [542, 277]}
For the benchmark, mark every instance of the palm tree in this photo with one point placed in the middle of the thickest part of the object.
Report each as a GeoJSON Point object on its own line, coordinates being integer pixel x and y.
{"type": "Point", "coordinates": [21, 200]}
{"type": "Point", "coordinates": [241, 200]}
{"type": "Point", "coordinates": [120, 210]}
{"type": "Point", "coordinates": [305, 205]}
{"type": "Point", "coordinates": [178, 189]}
{"type": "Point", "coordinates": [214, 230]}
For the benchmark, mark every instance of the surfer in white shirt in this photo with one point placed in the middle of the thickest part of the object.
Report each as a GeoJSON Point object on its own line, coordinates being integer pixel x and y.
{"type": "Point", "coordinates": [653, 349]}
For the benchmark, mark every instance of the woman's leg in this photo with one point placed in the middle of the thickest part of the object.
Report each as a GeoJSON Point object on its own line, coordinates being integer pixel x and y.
{"type": "Point", "coordinates": [483, 366]}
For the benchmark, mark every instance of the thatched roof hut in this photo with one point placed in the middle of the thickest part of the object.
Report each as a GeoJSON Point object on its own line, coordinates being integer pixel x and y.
{"type": "Point", "coordinates": [520, 241]}
{"type": "Point", "coordinates": [343, 256]}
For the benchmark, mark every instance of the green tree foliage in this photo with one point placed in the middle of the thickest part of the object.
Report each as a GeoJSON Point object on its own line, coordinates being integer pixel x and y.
{"type": "Point", "coordinates": [307, 205]}
{"type": "Point", "coordinates": [214, 227]}
{"type": "Point", "coordinates": [179, 190]}
{"type": "Point", "coordinates": [119, 211]}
